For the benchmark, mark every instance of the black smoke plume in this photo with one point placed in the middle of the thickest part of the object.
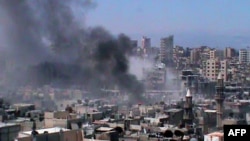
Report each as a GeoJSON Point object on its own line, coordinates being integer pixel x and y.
{"type": "Point", "coordinates": [45, 43]}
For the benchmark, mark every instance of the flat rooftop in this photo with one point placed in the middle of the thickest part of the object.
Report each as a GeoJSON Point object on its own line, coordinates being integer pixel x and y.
{"type": "Point", "coordinates": [49, 130]}
{"type": "Point", "coordinates": [104, 129]}
{"type": "Point", "coordinates": [22, 104]}
{"type": "Point", "coordinates": [173, 110]}
{"type": "Point", "coordinates": [20, 119]}
{"type": "Point", "coordinates": [2, 125]}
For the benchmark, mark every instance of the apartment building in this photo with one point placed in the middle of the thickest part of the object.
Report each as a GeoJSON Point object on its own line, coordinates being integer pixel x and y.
{"type": "Point", "coordinates": [212, 67]}
{"type": "Point", "coordinates": [216, 54]}
{"type": "Point", "coordinates": [166, 48]}
{"type": "Point", "coordinates": [244, 56]}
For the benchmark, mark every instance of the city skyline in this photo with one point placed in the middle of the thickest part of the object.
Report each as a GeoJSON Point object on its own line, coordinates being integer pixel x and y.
{"type": "Point", "coordinates": [193, 23]}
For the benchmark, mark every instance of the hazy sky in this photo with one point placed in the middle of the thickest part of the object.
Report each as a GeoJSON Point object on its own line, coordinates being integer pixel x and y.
{"type": "Point", "coordinates": [216, 23]}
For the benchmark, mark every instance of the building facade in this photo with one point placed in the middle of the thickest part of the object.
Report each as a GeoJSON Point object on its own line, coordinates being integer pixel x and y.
{"type": "Point", "coordinates": [145, 45]}
{"type": "Point", "coordinates": [194, 56]}
{"type": "Point", "coordinates": [229, 52]}
{"type": "Point", "coordinates": [166, 48]}
{"type": "Point", "coordinates": [244, 56]}
{"type": "Point", "coordinates": [216, 54]}
{"type": "Point", "coordinates": [212, 67]}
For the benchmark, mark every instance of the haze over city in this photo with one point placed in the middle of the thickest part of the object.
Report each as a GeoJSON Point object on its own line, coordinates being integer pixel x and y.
{"type": "Point", "coordinates": [124, 70]}
{"type": "Point", "coordinates": [215, 23]}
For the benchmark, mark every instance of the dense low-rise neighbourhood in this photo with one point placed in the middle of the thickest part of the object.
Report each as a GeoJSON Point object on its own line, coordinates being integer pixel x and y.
{"type": "Point", "coordinates": [188, 96]}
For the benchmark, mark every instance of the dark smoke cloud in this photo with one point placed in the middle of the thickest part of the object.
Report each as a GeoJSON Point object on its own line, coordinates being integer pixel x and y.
{"type": "Point", "coordinates": [47, 44]}
{"type": "Point", "coordinates": [22, 32]}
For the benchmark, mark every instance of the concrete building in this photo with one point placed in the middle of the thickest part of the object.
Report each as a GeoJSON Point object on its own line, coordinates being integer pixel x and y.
{"type": "Point", "coordinates": [26, 124]}
{"type": "Point", "coordinates": [209, 120]}
{"type": "Point", "coordinates": [178, 52]}
{"type": "Point", "coordinates": [175, 115]}
{"type": "Point", "coordinates": [194, 56]}
{"type": "Point", "coordinates": [244, 56]}
{"type": "Point", "coordinates": [22, 108]}
{"type": "Point", "coordinates": [9, 131]}
{"type": "Point", "coordinates": [145, 45]}
{"type": "Point", "coordinates": [52, 134]}
{"type": "Point", "coordinates": [216, 54]}
{"type": "Point", "coordinates": [60, 119]}
{"type": "Point", "coordinates": [229, 52]}
{"type": "Point", "coordinates": [189, 79]}
{"type": "Point", "coordinates": [155, 78]}
{"type": "Point", "coordinates": [145, 42]}
{"type": "Point", "coordinates": [215, 136]}
{"type": "Point", "coordinates": [166, 48]}
{"type": "Point", "coordinates": [219, 97]}
{"type": "Point", "coordinates": [213, 67]}
{"type": "Point", "coordinates": [224, 69]}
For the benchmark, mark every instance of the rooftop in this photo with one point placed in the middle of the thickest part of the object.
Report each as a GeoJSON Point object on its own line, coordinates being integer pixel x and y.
{"type": "Point", "coordinates": [2, 125]}
{"type": "Point", "coordinates": [210, 111]}
{"type": "Point", "coordinates": [217, 134]}
{"type": "Point", "coordinates": [49, 130]}
{"type": "Point", "coordinates": [104, 129]}
{"type": "Point", "coordinates": [22, 104]}
{"type": "Point", "coordinates": [173, 110]}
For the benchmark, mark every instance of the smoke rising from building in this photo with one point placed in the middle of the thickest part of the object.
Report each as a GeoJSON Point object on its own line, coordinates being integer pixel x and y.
{"type": "Point", "coordinates": [44, 42]}
{"type": "Point", "coordinates": [137, 65]}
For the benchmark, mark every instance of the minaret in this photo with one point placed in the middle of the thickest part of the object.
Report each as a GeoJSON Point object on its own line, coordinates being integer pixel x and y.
{"type": "Point", "coordinates": [188, 109]}
{"type": "Point", "coordinates": [219, 97]}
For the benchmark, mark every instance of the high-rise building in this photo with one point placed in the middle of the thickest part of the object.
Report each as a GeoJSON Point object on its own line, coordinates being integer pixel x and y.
{"type": "Point", "coordinates": [224, 69]}
{"type": "Point", "coordinates": [145, 45]}
{"type": "Point", "coordinates": [213, 67]}
{"type": "Point", "coordinates": [219, 97]}
{"type": "Point", "coordinates": [145, 42]}
{"type": "Point", "coordinates": [155, 78]}
{"type": "Point", "coordinates": [216, 54]}
{"type": "Point", "coordinates": [166, 48]}
{"type": "Point", "coordinates": [194, 56]}
{"type": "Point", "coordinates": [229, 52]}
{"type": "Point", "coordinates": [244, 56]}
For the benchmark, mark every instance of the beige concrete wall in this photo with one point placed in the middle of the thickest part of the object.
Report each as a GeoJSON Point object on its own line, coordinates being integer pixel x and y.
{"type": "Point", "coordinates": [49, 123]}
{"type": "Point", "coordinates": [49, 115]}
{"type": "Point", "coordinates": [61, 114]}
{"type": "Point", "coordinates": [229, 122]}
{"type": "Point", "coordinates": [73, 135]}
{"type": "Point", "coordinates": [60, 123]}
{"type": "Point", "coordinates": [27, 126]}
{"type": "Point", "coordinates": [57, 114]}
